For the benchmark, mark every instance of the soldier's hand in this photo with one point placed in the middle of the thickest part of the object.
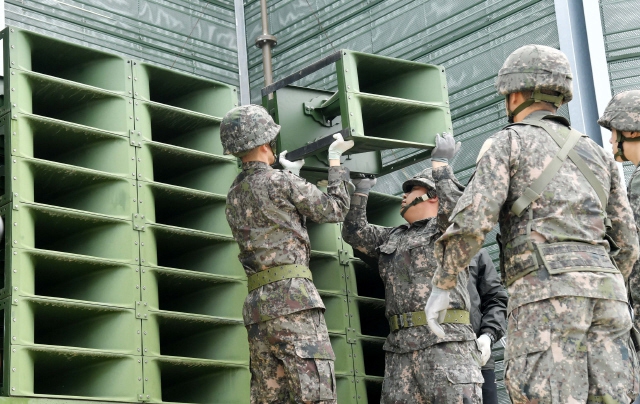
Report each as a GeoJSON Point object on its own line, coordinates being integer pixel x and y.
{"type": "Point", "coordinates": [436, 309]}
{"type": "Point", "coordinates": [293, 166]}
{"type": "Point", "coordinates": [446, 148]}
{"type": "Point", "coordinates": [364, 184]}
{"type": "Point", "coordinates": [484, 343]}
{"type": "Point", "coordinates": [339, 146]}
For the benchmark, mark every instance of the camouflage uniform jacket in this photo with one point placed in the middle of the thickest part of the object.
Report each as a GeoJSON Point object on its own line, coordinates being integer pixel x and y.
{"type": "Point", "coordinates": [406, 264]}
{"type": "Point", "coordinates": [567, 210]}
{"type": "Point", "coordinates": [634, 278]}
{"type": "Point", "coordinates": [267, 210]}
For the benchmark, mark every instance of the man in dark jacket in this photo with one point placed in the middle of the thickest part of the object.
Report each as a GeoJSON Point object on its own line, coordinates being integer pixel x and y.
{"type": "Point", "coordinates": [488, 315]}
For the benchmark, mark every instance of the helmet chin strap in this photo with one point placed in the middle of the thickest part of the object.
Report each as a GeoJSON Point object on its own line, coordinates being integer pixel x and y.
{"type": "Point", "coordinates": [419, 199]}
{"type": "Point", "coordinates": [620, 138]}
{"type": "Point", "coordinates": [536, 96]}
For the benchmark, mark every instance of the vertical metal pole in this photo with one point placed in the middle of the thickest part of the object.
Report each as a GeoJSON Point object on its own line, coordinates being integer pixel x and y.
{"type": "Point", "coordinates": [266, 42]}
{"type": "Point", "coordinates": [572, 33]}
{"type": "Point", "coordinates": [599, 67]}
{"type": "Point", "coordinates": [243, 63]}
{"type": "Point", "coordinates": [3, 24]}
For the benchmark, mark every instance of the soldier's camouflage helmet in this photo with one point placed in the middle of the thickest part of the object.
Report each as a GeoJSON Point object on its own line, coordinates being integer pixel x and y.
{"type": "Point", "coordinates": [536, 67]}
{"type": "Point", "coordinates": [423, 179]}
{"type": "Point", "coordinates": [622, 112]}
{"type": "Point", "coordinates": [245, 128]}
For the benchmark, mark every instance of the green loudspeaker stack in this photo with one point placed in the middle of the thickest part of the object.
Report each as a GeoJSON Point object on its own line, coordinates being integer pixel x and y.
{"type": "Point", "coordinates": [353, 294]}
{"type": "Point", "coordinates": [120, 278]}
{"type": "Point", "coordinates": [381, 103]}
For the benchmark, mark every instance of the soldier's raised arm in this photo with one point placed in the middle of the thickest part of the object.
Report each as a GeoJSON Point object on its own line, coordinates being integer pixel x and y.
{"type": "Point", "coordinates": [356, 230]}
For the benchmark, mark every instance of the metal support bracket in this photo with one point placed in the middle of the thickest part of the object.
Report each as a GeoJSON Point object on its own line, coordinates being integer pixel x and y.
{"type": "Point", "coordinates": [344, 257]}
{"type": "Point", "coordinates": [315, 146]}
{"type": "Point", "coordinates": [323, 110]}
{"type": "Point", "coordinates": [139, 223]}
{"type": "Point", "coordinates": [142, 310]}
{"type": "Point", "coordinates": [143, 397]}
{"type": "Point", "coordinates": [135, 138]}
{"type": "Point", "coordinates": [351, 335]}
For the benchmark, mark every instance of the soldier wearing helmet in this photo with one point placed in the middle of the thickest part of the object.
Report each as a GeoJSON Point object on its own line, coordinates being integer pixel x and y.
{"type": "Point", "coordinates": [291, 359]}
{"type": "Point", "coordinates": [562, 213]}
{"type": "Point", "coordinates": [622, 118]}
{"type": "Point", "coordinates": [419, 365]}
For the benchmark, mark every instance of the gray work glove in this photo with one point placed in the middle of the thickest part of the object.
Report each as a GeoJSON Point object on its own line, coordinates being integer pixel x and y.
{"type": "Point", "coordinates": [338, 147]}
{"type": "Point", "coordinates": [446, 148]}
{"type": "Point", "coordinates": [364, 185]}
{"type": "Point", "coordinates": [436, 309]}
{"type": "Point", "coordinates": [293, 166]}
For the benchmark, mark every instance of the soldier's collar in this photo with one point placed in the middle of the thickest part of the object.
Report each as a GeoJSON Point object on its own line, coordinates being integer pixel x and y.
{"type": "Point", "coordinates": [255, 165]}
{"type": "Point", "coordinates": [538, 115]}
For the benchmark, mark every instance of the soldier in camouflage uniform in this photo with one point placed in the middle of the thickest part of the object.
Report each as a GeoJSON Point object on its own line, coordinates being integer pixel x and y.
{"type": "Point", "coordinates": [291, 357]}
{"type": "Point", "coordinates": [622, 118]}
{"type": "Point", "coordinates": [420, 367]}
{"type": "Point", "coordinates": [562, 211]}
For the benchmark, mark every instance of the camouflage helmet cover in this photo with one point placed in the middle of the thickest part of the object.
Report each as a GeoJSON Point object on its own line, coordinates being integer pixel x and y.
{"type": "Point", "coordinates": [536, 67]}
{"type": "Point", "coordinates": [245, 128]}
{"type": "Point", "coordinates": [622, 112]}
{"type": "Point", "coordinates": [423, 179]}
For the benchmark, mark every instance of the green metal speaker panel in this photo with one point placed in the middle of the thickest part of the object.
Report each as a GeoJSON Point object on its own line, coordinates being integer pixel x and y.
{"type": "Point", "coordinates": [32, 52]}
{"type": "Point", "coordinates": [381, 103]}
{"type": "Point", "coordinates": [183, 91]}
{"type": "Point", "coordinates": [50, 97]}
{"type": "Point", "coordinates": [40, 227]}
{"type": "Point", "coordinates": [73, 374]}
{"type": "Point", "coordinates": [186, 380]}
{"type": "Point", "coordinates": [40, 273]}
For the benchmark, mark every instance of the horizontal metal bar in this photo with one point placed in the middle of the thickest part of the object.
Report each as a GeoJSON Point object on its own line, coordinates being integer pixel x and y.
{"type": "Point", "coordinates": [314, 147]}
{"type": "Point", "coordinates": [292, 78]}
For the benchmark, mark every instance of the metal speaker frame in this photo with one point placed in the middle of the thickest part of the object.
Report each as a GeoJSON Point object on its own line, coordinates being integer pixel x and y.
{"type": "Point", "coordinates": [381, 103]}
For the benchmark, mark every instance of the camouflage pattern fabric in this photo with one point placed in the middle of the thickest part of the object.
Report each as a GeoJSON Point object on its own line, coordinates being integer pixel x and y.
{"type": "Point", "coordinates": [442, 373]}
{"type": "Point", "coordinates": [247, 127]}
{"type": "Point", "coordinates": [536, 67]}
{"type": "Point", "coordinates": [267, 210]}
{"type": "Point", "coordinates": [292, 360]}
{"type": "Point", "coordinates": [568, 209]}
{"type": "Point", "coordinates": [571, 350]}
{"type": "Point", "coordinates": [622, 112]}
{"type": "Point", "coordinates": [634, 278]}
{"type": "Point", "coordinates": [406, 264]}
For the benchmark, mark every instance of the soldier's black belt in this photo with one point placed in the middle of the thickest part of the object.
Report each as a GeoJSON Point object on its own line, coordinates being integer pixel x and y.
{"type": "Point", "coordinates": [277, 274]}
{"type": "Point", "coordinates": [418, 318]}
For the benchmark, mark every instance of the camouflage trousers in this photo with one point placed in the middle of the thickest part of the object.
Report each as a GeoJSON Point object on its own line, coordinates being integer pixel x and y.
{"type": "Point", "coordinates": [448, 372]}
{"type": "Point", "coordinates": [571, 350]}
{"type": "Point", "coordinates": [292, 360]}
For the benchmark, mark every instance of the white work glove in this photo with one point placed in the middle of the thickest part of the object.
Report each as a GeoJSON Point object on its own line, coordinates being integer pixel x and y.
{"type": "Point", "coordinates": [293, 166]}
{"type": "Point", "coordinates": [339, 146]}
{"type": "Point", "coordinates": [436, 309]}
{"type": "Point", "coordinates": [484, 343]}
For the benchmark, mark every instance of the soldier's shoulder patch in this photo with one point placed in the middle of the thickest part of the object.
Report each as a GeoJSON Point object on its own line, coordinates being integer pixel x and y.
{"type": "Point", "coordinates": [487, 144]}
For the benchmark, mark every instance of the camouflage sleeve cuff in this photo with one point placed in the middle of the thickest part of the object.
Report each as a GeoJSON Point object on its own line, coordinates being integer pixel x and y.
{"type": "Point", "coordinates": [443, 173]}
{"type": "Point", "coordinates": [338, 173]}
{"type": "Point", "coordinates": [359, 201]}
